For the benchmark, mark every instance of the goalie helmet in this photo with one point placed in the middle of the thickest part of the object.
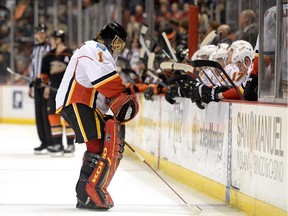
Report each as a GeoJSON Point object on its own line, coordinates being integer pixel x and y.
{"type": "Point", "coordinates": [241, 53]}
{"type": "Point", "coordinates": [114, 36]}
{"type": "Point", "coordinates": [206, 51]}
{"type": "Point", "coordinates": [59, 34]}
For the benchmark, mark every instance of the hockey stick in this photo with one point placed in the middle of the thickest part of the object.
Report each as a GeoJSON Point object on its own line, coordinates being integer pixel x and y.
{"type": "Point", "coordinates": [203, 71]}
{"type": "Point", "coordinates": [28, 79]}
{"type": "Point", "coordinates": [143, 44]}
{"type": "Point", "coordinates": [144, 30]}
{"type": "Point", "coordinates": [195, 208]}
{"type": "Point", "coordinates": [169, 46]}
{"type": "Point", "coordinates": [208, 39]}
{"type": "Point", "coordinates": [150, 69]}
{"type": "Point", "coordinates": [180, 66]}
{"type": "Point", "coordinates": [201, 63]}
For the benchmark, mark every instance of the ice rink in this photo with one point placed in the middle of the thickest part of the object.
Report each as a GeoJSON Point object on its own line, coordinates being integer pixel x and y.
{"type": "Point", "coordinates": [39, 184]}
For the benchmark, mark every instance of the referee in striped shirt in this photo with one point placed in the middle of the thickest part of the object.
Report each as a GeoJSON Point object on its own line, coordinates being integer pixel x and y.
{"type": "Point", "coordinates": [40, 48]}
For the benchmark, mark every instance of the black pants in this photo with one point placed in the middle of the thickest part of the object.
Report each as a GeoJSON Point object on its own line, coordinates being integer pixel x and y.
{"type": "Point", "coordinates": [41, 116]}
{"type": "Point", "coordinates": [86, 122]}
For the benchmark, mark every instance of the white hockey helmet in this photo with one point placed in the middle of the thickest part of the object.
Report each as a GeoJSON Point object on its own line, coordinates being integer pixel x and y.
{"type": "Point", "coordinates": [239, 43]}
{"type": "Point", "coordinates": [241, 53]}
{"type": "Point", "coordinates": [207, 50]}
{"type": "Point", "coordinates": [195, 56]}
{"type": "Point", "coordinates": [221, 53]}
{"type": "Point", "coordinates": [223, 45]}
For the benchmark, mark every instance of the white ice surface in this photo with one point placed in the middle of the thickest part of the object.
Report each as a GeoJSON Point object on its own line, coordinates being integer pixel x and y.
{"type": "Point", "coordinates": [41, 185]}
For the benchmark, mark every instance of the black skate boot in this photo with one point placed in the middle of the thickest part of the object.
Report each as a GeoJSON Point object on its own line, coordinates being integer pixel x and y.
{"type": "Point", "coordinates": [57, 150]}
{"type": "Point", "coordinates": [41, 150]}
{"type": "Point", "coordinates": [69, 151]}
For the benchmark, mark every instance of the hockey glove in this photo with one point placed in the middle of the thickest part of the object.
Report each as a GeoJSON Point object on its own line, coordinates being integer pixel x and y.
{"type": "Point", "coordinates": [211, 94]}
{"type": "Point", "coordinates": [200, 104]}
{"type": "Point", "coordinates": [251, 88]}
{"type": "Point", "coordinates": [195, 94]}
{"type": "Point", "coordinates": [149, 94]}
{"type": "Point", "coordinates": [38, 82]}
{"type": "Point", "coordinates": [172, 92]}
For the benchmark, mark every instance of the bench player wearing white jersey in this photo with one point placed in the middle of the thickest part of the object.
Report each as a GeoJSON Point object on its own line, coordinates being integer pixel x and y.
{"type": "Point", "coordinates": [90, 87]}
{"type": "Point", "coordinates": [242, 57]}
{"type": "Point", "coordinates": [205, 73]}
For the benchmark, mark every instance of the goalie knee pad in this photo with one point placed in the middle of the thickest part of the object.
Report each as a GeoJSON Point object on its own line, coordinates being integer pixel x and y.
{"type": "Point", "coordinates": [98, 170]}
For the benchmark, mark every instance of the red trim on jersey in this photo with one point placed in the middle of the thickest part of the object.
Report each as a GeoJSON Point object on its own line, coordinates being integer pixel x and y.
{"type": "Point", "coordinates": [231, 94]}
{"type": "Point", "coordinates": [111, 88]}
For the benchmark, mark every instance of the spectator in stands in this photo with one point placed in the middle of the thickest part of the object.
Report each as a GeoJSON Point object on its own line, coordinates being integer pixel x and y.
{"type": "Point", "coordinates": [176, 13]}
{"type": "Point", "coordinates": [223, 35]}
{"type": "Point", "coordinates": [139, 13]}
{"type": "Point", "coordinates": [163, 14]}
{"type": "Point", "coordinates": [248, 27]}
{"type": "Point", "coordinates": [132, 27]}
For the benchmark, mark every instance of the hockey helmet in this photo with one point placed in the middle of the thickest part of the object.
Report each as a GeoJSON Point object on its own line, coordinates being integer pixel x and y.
{"type": "Point", "coordinates": [241, 53]}
{"type": "Point", "coordinates": [220, 53]}
{"type": "Point", "coordinates": [59, 34]}
{"type": "Point", "coordinates": [195, 56]}
{"type": "Point", "coordinates": [114, 36]}
{"type": "Point", "coordinates": [239, 43]}
{"type": "Point", "coordinates": [206, 51]}
{"type": "Point", "coordinates": [41, 27]}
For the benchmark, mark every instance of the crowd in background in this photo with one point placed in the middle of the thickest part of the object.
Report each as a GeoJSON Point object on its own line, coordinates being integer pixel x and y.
{"type": "Point", "coordinates": [171, 16]}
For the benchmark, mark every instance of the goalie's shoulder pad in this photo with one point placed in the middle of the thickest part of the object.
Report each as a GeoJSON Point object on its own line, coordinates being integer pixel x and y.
{"type": "Point", "coordinates": [124, 106]}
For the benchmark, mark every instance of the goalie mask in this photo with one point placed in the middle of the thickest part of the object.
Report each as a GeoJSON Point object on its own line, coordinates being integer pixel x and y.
{"type": "Point", "coordinates": [114, 36]}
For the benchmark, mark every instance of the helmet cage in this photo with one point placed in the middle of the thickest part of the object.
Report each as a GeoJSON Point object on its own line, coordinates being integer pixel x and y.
{"type": "Point", "coordinates": [117, 45]}
{"type": "Point", "coordinates": [114, 37]}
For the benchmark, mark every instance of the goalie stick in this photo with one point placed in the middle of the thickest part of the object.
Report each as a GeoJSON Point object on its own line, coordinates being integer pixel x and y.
{"type": "Point", "coordinates": [201, 63]}
{"type": "Point", "coordinates": [28, 79]}
{"type": "Point", "coordinates": [195, 208]}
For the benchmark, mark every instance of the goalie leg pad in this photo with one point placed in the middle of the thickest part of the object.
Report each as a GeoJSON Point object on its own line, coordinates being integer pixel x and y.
{"type": "Point", "coordinates": [114, 144]}
{"type": "Point", "coordinates": [98, 171]}
{"type": "Point", "coordinates": [89, 191]}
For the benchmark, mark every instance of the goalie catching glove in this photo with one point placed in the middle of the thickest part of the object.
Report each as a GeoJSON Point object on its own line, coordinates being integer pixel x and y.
{"type": "Point", "coordinates": [124, 106]}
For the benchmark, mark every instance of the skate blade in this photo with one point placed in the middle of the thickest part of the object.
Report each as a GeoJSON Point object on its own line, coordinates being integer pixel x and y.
{"type": "Point", "coordinates": [56, 154]}
{"type": "Point", "coordinates": [41, 152]}
{"type": "Point", "coordinates": [68, 155]}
